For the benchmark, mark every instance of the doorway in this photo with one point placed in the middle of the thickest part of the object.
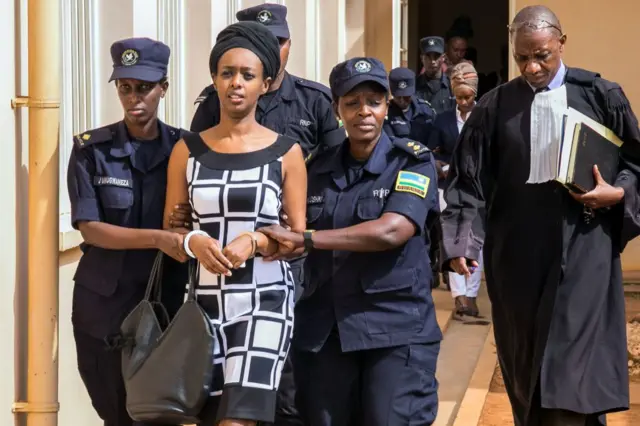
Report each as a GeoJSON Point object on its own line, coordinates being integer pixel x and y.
{"type": "Point", "coordinates": [489, 20]}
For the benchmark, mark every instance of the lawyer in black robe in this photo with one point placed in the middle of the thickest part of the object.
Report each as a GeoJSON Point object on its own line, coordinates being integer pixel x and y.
{"type": "Point", "coordinates": [554, 279]}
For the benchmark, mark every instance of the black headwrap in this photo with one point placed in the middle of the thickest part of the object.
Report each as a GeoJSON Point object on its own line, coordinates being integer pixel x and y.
{"type": "Point", "coordinates": [252, 36]}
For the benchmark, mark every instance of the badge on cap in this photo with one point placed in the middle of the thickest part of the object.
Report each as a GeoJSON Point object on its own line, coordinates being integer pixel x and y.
{"type": "Point", "coordinates": [402, 85]}
{"type": "Point", "coordinates": [431, 42]}
{"type": "Point", "coordinates": [264, 17]}
{"type": "Point", "coordinates": [129, 57]}
{"type": "Point", "coordinates": [362, 66]}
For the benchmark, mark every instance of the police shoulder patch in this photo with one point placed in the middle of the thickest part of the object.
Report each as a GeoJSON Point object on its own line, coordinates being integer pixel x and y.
{"type": "Point", "coordinates": [414, 183]}
{"type": "Point", "coordinates": [204, 94]}
{"type": "Point", "coordinates": [415, 149]}
{"type": "Point", "coordinates": [91, 137]}
{"type": "Point", "coordinates": [319, 87]}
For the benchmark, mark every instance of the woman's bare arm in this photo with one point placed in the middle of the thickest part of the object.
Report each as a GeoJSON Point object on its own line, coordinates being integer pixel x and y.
{"type": "Point", "coordinates": [177, 187]}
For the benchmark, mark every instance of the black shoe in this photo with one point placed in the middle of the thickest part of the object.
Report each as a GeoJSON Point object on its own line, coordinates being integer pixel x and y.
{"type": "Point", "coordinates": [461, 306]}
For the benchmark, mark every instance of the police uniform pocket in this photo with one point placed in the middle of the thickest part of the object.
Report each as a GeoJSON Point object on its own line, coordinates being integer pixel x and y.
{"type": "Point", "coordinates": [314, 211]}
{"type": "Point", "coordinates": [392, 306]}
{"type": "Point", "coordinates": [369, 208]}
{"type": "Point", "coordinates": [115, 197]}
{"type": "Point", "coordinates": [396, 279]}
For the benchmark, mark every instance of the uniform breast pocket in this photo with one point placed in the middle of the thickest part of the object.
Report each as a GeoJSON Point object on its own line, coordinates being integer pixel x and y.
{"type": "Point", "coordinates": [369, 208]}
{"type": "Point", "coordinates": [116, 202]}
{"type": "Point", "coordinates": [393, 306]}
{"type": "Point", "coordinates": [314, 211]}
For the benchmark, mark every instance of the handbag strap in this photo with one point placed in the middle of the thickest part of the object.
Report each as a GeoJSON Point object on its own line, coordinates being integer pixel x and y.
{"type": "Point", "coordinates": [193, 280]}
{"type": "Point", "coordinates": [153, 291]}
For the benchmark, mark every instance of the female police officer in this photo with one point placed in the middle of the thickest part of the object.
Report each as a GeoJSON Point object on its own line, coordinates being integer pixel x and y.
{"type": "Point", "coordinates": [366, 338]}
{"type": "Point", "coordinates": [117, 181]}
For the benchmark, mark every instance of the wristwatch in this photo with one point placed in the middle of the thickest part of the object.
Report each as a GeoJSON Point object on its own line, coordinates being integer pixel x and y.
{"type": "Point", "coordinates": [308, 240]}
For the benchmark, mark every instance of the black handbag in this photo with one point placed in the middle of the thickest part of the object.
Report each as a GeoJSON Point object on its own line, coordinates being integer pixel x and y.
{"type": "Point", "coordinates": [167, 368]}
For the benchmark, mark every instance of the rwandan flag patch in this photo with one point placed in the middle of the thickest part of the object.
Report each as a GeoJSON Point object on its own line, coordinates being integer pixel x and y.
{"type": "Point", "coordinates": [414, 183]}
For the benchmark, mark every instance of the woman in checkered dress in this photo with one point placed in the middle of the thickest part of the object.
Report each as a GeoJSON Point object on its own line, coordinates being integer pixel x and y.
{"type": "Point", "coordinates": [238, 177]}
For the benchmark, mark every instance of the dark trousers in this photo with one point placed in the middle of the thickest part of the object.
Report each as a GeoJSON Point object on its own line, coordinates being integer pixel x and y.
{"type": "Point", "coordinates": [435, 236]}
{"type": "Point", "coordinates": [286, 412]}
{"type": "Point", "coordinates": [100, 370]}
{"type": "Point", "coordinates": [376, 387]}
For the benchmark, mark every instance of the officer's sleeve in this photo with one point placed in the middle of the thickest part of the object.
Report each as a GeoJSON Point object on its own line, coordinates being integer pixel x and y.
{"type": "Point", "coordinates": [415, 193]}
{"type": "Point", "coordinates": [84, 202]}
{"type": "Point", "coordinates": [330, 132]}
{"type": "Point", "coordinates": [207, 113]}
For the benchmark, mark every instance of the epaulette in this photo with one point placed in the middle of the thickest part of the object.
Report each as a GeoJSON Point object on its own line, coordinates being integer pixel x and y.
{"type": "Point", "coordinates": [91, 137]}
{"type": "Point", "coordinates": [424, 101]}
{"type": "Point", "coordinates": [581, 77]}
{"type": "Point", "coordinates": [413, 148]}
{"type": "Point", "coordinates": [314, 85]}
{"type": "Point", "coordinates": [205, 94]}
{"type": "Point", "coordinates": [176, 133]}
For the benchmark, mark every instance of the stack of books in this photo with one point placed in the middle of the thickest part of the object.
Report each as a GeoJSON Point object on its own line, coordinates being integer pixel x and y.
{"type": "Point", "coordinates": [586, 143]}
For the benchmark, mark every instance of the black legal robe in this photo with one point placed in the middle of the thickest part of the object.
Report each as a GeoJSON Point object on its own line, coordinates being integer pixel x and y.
{"type": "Point", "coordinates": [554, 280]}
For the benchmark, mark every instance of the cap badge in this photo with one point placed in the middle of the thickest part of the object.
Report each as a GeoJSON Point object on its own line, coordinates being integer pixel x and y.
{"type": "Point", "coordinates": [431, 42]}
{"type": "Point", "coordinates": [362, 66]}
{"type": "Point", "coordinates": [264, 17]}
{"type": "Point", "coordinates": [402, 85]}
{"type": "Point", "coordinates": [129, 57]}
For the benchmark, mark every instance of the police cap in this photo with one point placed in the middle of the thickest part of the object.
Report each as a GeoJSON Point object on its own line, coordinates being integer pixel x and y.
{"type": "Point", "coordinates": [139, 58]}
{"type": "Point", "coordinates": [348, 74]}
{"type": "Point", "coordinates": [432, 44]}
{"type": "Point", "coordinates": [402, 82]}
{"type": "Point", "coordinates": [273, 16]}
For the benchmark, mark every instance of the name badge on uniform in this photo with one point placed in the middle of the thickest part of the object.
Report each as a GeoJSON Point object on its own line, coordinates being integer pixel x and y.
{"type": "Point", "coordinates": [381, 193]}
{"type": "Point", "coordinates": [414, 183]}
{"type": "Point", "coordinates": [111, 181]}
{"type": "Point", "coordinates": [315, 199]}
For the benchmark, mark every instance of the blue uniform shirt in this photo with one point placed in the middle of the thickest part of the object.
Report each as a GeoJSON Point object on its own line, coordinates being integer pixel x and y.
{"type": "Point", "coordinates": [378, 299]}
{"type": "Point", "coordinates": [437, 92]}
{"type": "Point", "coordinates": [414, 124]}
{"type": "Point", "coordinates": [116, 180]}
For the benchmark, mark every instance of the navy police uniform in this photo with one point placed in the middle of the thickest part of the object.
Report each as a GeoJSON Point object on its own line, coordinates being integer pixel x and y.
{"type": "Point", "coordinates": [365, 329]}
{"type": "Point", "coordinates": [416, 120]}
{"type": "Point", "coordinates": [300, 109]}
{"type": "Point", "coordinates": [115, 179]}
{"type": "Point", "coordinates": [435, 91]}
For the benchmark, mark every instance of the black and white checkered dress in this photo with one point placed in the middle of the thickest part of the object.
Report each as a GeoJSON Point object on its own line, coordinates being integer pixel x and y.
{"type": "Point", "coordinates": [251, 311]}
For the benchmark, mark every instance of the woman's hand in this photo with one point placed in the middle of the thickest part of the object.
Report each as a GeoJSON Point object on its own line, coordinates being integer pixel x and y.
{"type": "Point", "coordinates": [180, 216]}
{"type": "Point", "coordinates": [208, 252]}
{"type": "Point", "coordinates": [603, 195]}
{"type": "Point", "coordinates": [239, 250]}
{"type": "Point", "coordinates": [289, 243]}
{"type": "Point", "coordinates": [171, 244]}
{"type": "Point", "coordinates": [463, 266]}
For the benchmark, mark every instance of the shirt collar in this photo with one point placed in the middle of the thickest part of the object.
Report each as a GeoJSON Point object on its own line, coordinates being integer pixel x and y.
{"type": "Point", "coordinates": [558, 79]}
{"type": "Point", "coordinates": [288, 88]}
{"type": "Point", "coordinates": [459, 114]}
{"type": "Point", "coordinates": [376, 163]}
{"type": "Point", "coordinates": [122, 143]}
